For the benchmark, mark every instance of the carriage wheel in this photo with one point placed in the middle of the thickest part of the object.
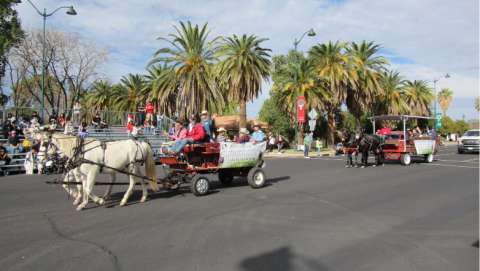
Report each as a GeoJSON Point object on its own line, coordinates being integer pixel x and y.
{"type": "Point", "coordinates": [405, 159]}
{"type": "Point", "coordinates": [429, 158]}
{"type": "Point", "coordinates": [256, 177]}
{"type": "Point", "coordinates": [200, 185]}
{"type": "Point", "coordinates": [225, 177]}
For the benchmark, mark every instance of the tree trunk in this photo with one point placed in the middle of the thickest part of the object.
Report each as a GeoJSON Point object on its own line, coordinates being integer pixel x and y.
{"type": "Point", "coordinates": [331, 129]}
{"type": "Point", "coordinates": [301, 133]}
{"type": "Point", "coordinates": [243, 115]}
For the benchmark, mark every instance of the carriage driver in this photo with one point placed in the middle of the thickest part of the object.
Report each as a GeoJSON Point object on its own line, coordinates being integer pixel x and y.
{"type": "Point", "coordinates": [195, 134]}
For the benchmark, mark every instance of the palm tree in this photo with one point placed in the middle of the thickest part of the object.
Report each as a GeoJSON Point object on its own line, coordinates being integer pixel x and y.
{"type": "Point", "coordinates": [161, 88]}
{"type": "Point", "coordinates": [129, 92]}
{"type": "Point", "coordinates": [99, 97]}
{"type": "Point", "coordinates": [245, 64]}
{"type": "Point", "coordinates": [332, 67]}
{"type": "Point", "coordinates": [477, 104]}
{"type": "Point", "coordinates": [419, 97]}
{"type": "Point", "coordinates": [365, 74]}
{"type": "Point", "coordinates": [297, 78]}
{"type": "Point", "coordinates": [191, 56]}
{"type": "Point", "coordinates": [391, 100]}
{"type": "Point", "coordinates": [445, 97]}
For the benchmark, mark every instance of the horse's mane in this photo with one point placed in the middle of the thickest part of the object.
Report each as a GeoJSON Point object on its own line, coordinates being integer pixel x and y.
{"type": "Point", "coordinates": [67, 143]}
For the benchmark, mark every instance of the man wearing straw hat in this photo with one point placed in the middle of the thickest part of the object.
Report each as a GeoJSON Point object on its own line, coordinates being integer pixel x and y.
{"type": "Point", "coordinates": [258, 135]}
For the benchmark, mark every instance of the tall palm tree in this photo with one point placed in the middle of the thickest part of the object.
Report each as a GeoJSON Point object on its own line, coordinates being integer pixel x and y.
{"type": "Point", "coordinates": [99, 97]}
{"type": "Point", "coordinates": [191, 56]}
{"type": "Point", "coordinates": [391, 100]}
{"type": "Point", "coordinates": [419, 97]}
{"type": "Point", "coordinates": [332, 66]}
{"type": "Point", "coordinates": [445, 97]}
{"type": "Point", "coordinates": [161, 88]}
{"type": "Point", "coordinates": [244, 66]}
{"type": "Point", "coordinates": [366, 72]}
{"type": "Point", "coordinates": [129, 92]}
{"type": "Point", "coordinates": [298, 78]}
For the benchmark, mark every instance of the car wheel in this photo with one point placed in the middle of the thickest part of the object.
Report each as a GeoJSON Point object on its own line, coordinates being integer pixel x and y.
{"type": "Point", "coordinates": [256, 177]}
{"type": "Point", "coordinates": [200, 185]}
{"type": "Point", "coordinates": [405, 159]}
{"type": "Point", "coordinates": [429, 158]}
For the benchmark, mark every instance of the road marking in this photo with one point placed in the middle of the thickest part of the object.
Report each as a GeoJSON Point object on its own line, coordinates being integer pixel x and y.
{"type": "Point", "coordinates": [458, 161]}
{"type": "Point", "coordinates": [449, 165]}
{"type": "Point", "coordinates": [445, 154]}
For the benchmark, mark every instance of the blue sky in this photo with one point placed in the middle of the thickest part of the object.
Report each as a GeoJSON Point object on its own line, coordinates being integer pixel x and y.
{"type": "Point", "coordinates": [423, 39]}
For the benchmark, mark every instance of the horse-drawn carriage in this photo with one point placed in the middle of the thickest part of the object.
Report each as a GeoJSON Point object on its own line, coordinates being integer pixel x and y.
{"type": "Point", "coordinates": [198, 162]}
{"type": "Point", "coordinates": [86, 158]}
{"type": "Point", "coordinates": [403, 147]}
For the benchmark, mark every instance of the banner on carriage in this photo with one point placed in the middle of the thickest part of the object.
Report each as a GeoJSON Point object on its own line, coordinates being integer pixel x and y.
{"type": "Point", "coordinates": [424, 146]}
{"type": "Point", "coordinates": [235, 155]}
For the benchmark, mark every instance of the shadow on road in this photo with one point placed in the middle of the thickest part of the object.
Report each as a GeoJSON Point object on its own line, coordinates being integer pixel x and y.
{"type": "Point", "coordinates": [281, 259]}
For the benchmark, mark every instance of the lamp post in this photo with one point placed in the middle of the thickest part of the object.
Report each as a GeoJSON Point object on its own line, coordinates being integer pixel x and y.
{"type": "Point", "coordinates": [310, 33]}
{"type": "Point", "coordinates": [45, 14]}
{"type": "Point", "coordinates": [446, 76]}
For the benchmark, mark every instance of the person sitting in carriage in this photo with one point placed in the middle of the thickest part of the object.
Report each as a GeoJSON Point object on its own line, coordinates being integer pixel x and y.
{"type": "Point", "coordinates": [195, 134]}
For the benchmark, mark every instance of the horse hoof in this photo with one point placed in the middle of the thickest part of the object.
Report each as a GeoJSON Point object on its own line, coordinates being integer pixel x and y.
{"type": "Point", "coordinates": [79, 208]}
{"type": "Point", "coordinates": [143, 199]}
{"type": "Point", "coordinates": [122, 203]}
{"type": "Point", "coordinates": [76, 202]}
{"type": "Point", "coordinates": [374, 165]}
{"type": "Point", "coordinates": [101, 201]}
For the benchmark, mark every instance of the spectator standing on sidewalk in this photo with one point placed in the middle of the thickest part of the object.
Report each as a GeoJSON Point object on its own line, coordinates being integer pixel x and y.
{"type": "Point", "coordinates": [307, 142]}
{"type": "Point", "coordinates": [318, 146]}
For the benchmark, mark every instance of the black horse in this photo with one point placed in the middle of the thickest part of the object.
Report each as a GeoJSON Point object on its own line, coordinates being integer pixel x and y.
{"type": "Point", "coordinates": [350, 145]}
{"type": "Point", "coordinates": [369, 143]}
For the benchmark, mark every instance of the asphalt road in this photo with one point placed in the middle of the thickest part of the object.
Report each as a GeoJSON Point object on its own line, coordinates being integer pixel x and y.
{"type": "Point", "coordinates": [314, 215]}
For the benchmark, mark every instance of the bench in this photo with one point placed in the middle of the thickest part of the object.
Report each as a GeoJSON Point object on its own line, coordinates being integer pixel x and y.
{"type": "Point", "coordinates": [16, 164]}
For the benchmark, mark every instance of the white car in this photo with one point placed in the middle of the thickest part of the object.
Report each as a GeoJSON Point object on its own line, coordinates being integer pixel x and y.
{"type": "Point", "coordinates": [469, 142]}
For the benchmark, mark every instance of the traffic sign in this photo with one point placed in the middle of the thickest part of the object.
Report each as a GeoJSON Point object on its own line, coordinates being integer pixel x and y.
{"type": "Point", "coordinates": [312, 123]}
{"type": "Point", "coordinates": [438, 116]}
{"type": "Point", "coordinates": [313, 114]}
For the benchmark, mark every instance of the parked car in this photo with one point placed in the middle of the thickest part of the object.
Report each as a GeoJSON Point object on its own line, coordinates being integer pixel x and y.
{"type": "Point", "coordinates": [469, 142]}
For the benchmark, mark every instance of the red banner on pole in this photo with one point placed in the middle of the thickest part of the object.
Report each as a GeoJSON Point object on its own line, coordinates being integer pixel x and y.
{"type": "Point", "coordinates": [301, 104]}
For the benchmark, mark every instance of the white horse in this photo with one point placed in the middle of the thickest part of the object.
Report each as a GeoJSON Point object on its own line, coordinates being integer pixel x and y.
{"type": "Point", "coordinates": [125, 155]}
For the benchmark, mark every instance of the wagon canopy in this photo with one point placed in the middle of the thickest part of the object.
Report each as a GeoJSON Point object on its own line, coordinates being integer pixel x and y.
{"type": "Point", "coordinates": [398, 117]}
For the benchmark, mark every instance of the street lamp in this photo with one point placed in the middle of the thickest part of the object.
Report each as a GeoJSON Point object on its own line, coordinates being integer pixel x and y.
{"type": "Point", "coordinates": [446, 76]}
{"type": "Point", "coordinates": [310, 33]}
{"type": "Point", "coordinates": [44, 14]}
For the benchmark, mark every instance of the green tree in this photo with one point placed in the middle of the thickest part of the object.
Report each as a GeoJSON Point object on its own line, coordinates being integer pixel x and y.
{"type": "Point", "coordinates": [129, 93]}
{"type": "Point", "coordinates": [391, 100]}
{"type": "Point", "coordinates": [277, 118]}
{"type": "Point", "coordinates": [333, 68]}
{"type": "Point", "coordinates": [99, 96]}
{"type": "Point", "coordinates": [445, 97]}
{"type": "Point", "coordinates": [244, 66]}
{"type": "Point", "coordinates": [11, 32]}
{"type": "Point", "coordinates": [419, 97]}
{"type": "Point", "coordinates": [366, 73]}
{"type": "Point", "coordinates": [192, 56]}
{"type": "Point", "coordinates": [477, 104]}
{"type": "Point", "coordinates": [297, 78]}
{"type": "Point", "coordinates": [161, 88]}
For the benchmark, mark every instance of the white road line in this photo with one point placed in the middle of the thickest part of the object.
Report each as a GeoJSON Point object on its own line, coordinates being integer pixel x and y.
{"type": "Point", "coordinates": [458, 161]}
{"type": "Point", "coordinates": [448, 165]}
{"type": "Point", "coordinates": [445, 154]}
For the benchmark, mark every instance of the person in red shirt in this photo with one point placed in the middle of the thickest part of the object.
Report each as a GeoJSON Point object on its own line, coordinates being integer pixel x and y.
{"type": "Point", "coordinates": [195, 134]}
{"type": "Point", "coordinates": [149, 110]}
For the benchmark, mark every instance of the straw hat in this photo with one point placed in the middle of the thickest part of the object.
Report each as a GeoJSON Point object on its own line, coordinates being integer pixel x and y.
{"type": "Point", "coordinates": [204, 112]}
{"type": "Point", "coordinates": [221, 129]}
{"type": "Point", "coordinates": [244, 131]}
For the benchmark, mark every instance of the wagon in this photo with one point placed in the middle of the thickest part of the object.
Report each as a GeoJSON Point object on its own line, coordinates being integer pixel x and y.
{"type": "Point", "coordinates": [198, 162]}
{"type": "Point", "coordinates": [398, 146]}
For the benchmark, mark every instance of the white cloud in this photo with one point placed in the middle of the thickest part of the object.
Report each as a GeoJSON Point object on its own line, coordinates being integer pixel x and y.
{"type": "Point", "coordinates": [438, 36]}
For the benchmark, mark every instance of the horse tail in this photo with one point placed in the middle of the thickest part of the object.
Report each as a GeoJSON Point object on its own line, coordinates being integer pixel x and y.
{"type": "Point", "coordinates": [150, 170]}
